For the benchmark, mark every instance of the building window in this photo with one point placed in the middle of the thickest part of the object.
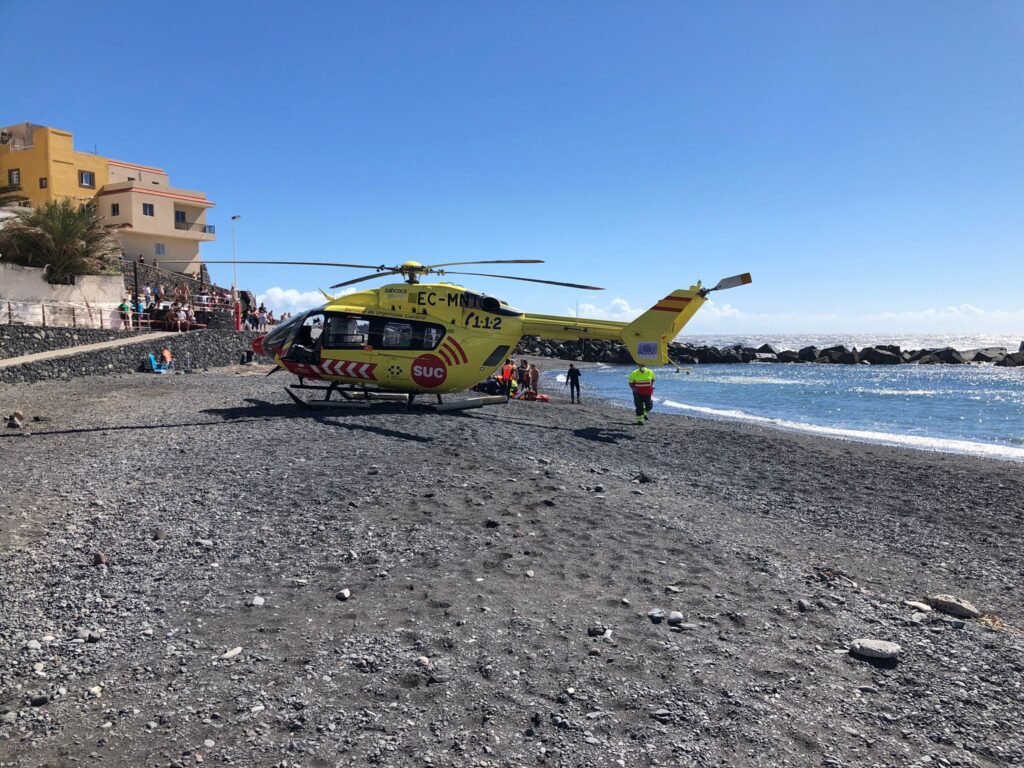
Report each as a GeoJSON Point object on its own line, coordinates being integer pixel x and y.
{"type": "Point", "coordinates": [87, 179]}
{"type": "Point", "coordinates": [115, 209]}
{"type": "Point", "coordinates": [161, 249]}
{"type": "Point", "coordinates": [179, 217]}
{"type": "Point", "coordinates": [43, 182]}
{"type": "Point", "coordinates": [14, 177]}
{"type": "Point", "coordinates": [147, 209]}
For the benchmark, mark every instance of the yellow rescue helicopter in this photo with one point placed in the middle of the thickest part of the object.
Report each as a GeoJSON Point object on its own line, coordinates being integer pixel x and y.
{"type": "Point", "coordinates": [410, 338]}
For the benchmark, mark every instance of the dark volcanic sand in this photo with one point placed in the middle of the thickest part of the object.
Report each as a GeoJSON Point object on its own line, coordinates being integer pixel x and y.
{"type": "Point", "coordinates": [486, 553]}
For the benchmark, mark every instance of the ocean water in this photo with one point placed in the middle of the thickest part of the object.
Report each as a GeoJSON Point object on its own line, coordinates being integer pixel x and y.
{"type": "Point", "coordinates": [970, 409]}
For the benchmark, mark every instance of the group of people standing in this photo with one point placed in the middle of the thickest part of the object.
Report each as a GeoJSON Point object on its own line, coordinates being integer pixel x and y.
{"type": "Point", "coordinates": [519, 380]}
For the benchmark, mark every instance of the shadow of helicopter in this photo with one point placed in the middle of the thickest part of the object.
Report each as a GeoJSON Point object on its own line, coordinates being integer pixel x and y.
{"type": "Point", "coordinates": [261, 409]}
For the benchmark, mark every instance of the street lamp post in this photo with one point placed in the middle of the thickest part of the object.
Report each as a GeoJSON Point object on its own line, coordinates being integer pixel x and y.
{"type": "Point", "coordinates": [234, 265]}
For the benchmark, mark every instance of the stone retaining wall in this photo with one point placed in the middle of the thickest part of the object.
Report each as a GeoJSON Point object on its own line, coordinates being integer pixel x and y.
{"type": "Point", "coordinates": [200, 349]}
{"type": "Point", "coordinates": [153, 276]}
{"type": "Point", "coordinates": [17, 340]}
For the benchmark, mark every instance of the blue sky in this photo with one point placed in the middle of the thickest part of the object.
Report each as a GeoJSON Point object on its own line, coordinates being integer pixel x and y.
{"type": "Point", "coordinates": [863, 160]}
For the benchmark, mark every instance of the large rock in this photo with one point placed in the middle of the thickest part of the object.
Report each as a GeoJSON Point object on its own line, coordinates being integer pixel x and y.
{"type": "Point", "coordinates": [985, 355]}
{"type": "Point", "coordinates": [949, 356]}
{"type": "Point", "coordinates": [1012, 360]}
{"type": "Point", "coordinates": [879, 356]}
{"type": "Point", "coordinates": [809, 354]}
{"type": "Point", "coordinates": [832, 354]}
{"type": "Point", "coordinates": [954, 606]}
{"type": "Point", "coordinates": [768, 348]}
{"type": "Point", "coordinates": [875, 649]}
{"type": "Point", "coordinates": [789, 356]}
{"type": "Point", "coordinates": [849, 358]}
{"type": "Point", "coordinates": [765, 357]}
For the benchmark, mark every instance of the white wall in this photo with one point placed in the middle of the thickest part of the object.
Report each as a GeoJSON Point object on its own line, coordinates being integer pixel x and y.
{"type": "Point", "coordinates": [23, 291]}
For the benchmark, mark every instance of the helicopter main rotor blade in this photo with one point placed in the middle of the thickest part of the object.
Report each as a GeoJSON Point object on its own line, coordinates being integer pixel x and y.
{"type": "Point", "coordinates": [528, 280]}
{"type": "Point", "coordinates": [366, 277]}
{"type": "Point", "coordinates": [297, 263]}
{"type": "Point", "coordinates": [492, 261]}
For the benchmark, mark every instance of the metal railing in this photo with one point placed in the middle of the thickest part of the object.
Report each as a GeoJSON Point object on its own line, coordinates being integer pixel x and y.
{"type": "Point", "coordinates": [67, 316]}
{"type": "Point", "coordinates": [195, 226]}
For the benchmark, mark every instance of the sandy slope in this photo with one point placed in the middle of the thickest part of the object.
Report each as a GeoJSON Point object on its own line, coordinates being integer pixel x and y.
{"type": "Point", "coordinates": [487, 555]}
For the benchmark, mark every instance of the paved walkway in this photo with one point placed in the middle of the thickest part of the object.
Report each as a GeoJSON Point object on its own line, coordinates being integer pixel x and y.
{"type": "Point", "coordinates": [68, 351]}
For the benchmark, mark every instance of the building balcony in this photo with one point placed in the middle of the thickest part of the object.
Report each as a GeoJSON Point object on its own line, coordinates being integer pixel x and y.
{"type": "Point", "coordinates": [195, 226]}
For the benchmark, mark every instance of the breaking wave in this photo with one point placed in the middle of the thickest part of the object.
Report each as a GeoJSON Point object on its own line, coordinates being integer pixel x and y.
{"type": "Point", "coordinates": [947, 445]}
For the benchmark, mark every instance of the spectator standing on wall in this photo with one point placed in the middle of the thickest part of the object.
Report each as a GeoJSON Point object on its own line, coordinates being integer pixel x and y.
{"type": "Point", "coordinates": [142, 259]}
{"type": "Point", "coordinates": [125, 310]}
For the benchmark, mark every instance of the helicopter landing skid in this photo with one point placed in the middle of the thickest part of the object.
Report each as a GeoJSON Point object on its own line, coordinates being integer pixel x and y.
{"type": "Point", "coordinates": [352, 397]}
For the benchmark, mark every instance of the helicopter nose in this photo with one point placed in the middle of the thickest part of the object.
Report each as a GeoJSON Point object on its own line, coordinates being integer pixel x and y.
{"type": "Point", "coordinates": [257, 345]}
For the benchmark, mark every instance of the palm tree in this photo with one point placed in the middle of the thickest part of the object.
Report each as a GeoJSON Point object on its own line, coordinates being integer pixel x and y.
{"type": "Point", "coordinates": [10, 195]}
{"type": "Point", "coordinates": [65, 239]}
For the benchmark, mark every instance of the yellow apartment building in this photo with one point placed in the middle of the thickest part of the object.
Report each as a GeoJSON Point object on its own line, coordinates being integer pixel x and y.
{"type": "Point", "coordinates": [152, 219]}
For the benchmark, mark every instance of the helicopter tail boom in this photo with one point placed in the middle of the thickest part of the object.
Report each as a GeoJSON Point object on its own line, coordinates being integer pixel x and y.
{"type": "Point", "coordinates": [647, 337]}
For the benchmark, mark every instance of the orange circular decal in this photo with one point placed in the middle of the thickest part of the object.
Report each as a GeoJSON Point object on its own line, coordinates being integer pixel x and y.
{"type": "Point", "coordinates": [428, 371]}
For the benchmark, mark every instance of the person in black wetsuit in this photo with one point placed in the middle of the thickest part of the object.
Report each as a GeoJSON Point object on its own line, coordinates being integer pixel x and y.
{"type": "Point", "coordinates": [572, 379]}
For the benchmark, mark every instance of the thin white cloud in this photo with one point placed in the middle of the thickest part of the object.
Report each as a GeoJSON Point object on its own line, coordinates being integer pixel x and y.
{"type": "Point", "coordinates": [617, 309]}
{"type": "Point", "coordinates": [291, 300]}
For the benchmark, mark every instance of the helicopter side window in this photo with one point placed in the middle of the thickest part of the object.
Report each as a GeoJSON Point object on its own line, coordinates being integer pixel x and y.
{"type": "Point", "coordinates": [431, 337]}
{"type": "Point", "coordinates": [397, 336]}
{"type": "Point", "coordinates": [305, 346]}
{"type": "Point", "coordinates": [347, 332]}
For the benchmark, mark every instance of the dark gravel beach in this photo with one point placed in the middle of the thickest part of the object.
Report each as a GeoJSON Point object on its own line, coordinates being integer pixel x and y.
{"type": "Point", "coordinates": [198, 572]}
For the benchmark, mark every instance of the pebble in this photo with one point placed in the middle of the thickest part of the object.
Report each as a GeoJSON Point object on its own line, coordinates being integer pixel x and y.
{"type": "Point", "coordinates": [209, 743]}
{"type": "Point", "coordinates": [38, 701]}
{"type": "Point", "coordinates": [803, 606]}
{"type": "Point", "coordinates": [232, 653]}
{"type": "Point", "coordinates": [954, 606]}
{"type": "Point", "coordinates": [344, 594]}
{"type": "Point", "coordinates": [875, 649]}
{"type": "Point", "coordinates": [34, 645]}
{"type": "Point", "coordinates": [10, 717]}
{"type": "Point", "coordinates": [257, 601]}
{"type": "Point", "coordinates": [675, 618]}
{"type": "Point", "coordinates": [529, 574]}
{"type": "Point", "coordinates": [656, 615]}
{"type": "Point", "coordinates": [917, 605]}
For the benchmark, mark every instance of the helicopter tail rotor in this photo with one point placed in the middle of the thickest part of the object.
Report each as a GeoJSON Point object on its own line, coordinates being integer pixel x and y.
{"type": "Point", "coordinates": [729, 282]}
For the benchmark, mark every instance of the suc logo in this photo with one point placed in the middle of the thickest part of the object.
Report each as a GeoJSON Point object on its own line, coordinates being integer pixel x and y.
{"type": "Point", "coordinates": [428, 371]}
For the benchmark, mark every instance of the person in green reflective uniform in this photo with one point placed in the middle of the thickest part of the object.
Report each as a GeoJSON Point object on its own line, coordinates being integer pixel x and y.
{"type": "Point", "coordinates": [641, 381]}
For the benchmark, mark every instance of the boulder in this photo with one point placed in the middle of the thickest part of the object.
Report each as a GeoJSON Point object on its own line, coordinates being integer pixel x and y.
{"type": "Point", "coordinates": [1021, 349]}
{"type": "Point", "coordinates": [832, 354]}
{"type": "Point", "coordinates": [849, 358]}
{"type": "Point", "coordinates": [1012, 360]}
{"type": "Point", "coordinates": [985, 355]}
{"type": "Point", "coordinates": [809, 354]}
{"type": "Point", "coordinates": [894, 348]}
{"type": "Point", "coordinates": [879, 356]}
{"type": "Point", "coordinates": [765, 357]}
{"type": "Point", "coordinates": [949, 356]}
{"type": "Point", "coordinates": [767, 348]}
{"type": "Point", "coordinates": [789, 356]}
{"type": "Point", "coordinates": [954, 606]}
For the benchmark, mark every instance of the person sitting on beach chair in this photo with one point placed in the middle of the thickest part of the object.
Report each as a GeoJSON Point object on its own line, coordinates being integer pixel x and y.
{"type": "Point", "coordinates": [160, 366]}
